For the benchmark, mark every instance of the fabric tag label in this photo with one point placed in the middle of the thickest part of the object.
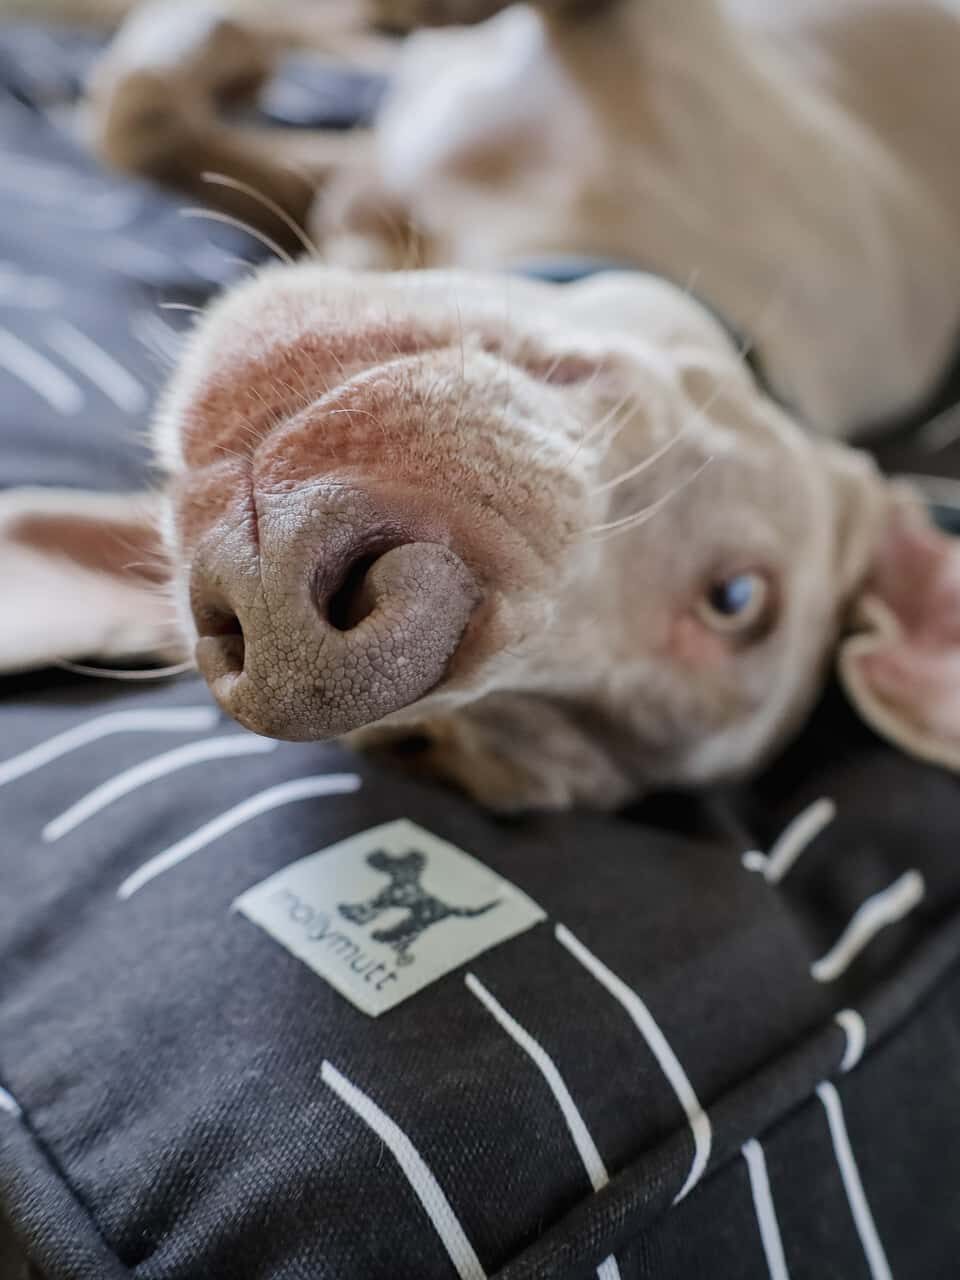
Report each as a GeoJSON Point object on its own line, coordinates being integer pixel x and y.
{"type": "Point", "coordinates": [386, 912]}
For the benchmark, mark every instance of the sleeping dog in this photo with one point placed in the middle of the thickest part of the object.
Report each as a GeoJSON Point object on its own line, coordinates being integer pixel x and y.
{"type": "Point", "coordinates": [561, 534]}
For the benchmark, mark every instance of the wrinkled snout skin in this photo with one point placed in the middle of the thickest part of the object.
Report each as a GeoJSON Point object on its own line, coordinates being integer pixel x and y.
{"type": "Point", "coordinates": [352, 504]}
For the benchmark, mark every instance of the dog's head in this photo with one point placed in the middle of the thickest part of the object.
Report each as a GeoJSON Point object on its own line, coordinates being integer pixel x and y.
{"type": "Point", "coordinates": [406, 865]}
{"type": "Point", "coordinates": [556, 534]}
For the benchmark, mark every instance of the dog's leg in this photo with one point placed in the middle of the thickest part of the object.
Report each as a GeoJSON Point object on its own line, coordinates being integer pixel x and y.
{"type": "Point", "coordinates": [155, 103]}
{"type": "Point", "coordinates": [364, 912]}
{"type": "Point", "coordinates": [156, 100]}
{"type": "Point", "coordinates": [400, 937]}
{"type": "Point", "coordinates": [405, 15]}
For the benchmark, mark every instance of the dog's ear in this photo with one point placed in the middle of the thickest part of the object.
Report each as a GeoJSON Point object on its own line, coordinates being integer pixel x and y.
{"type": "Point", "coordinates": [901, 665]}
{"type": "Point", "coordinates": [512, 753]}
{"type": "Point", "coordinates": [81, 576]}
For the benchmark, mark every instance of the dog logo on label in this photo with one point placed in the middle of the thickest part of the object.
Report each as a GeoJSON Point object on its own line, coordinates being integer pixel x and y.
{"type": "Point", "coordinates": [405, 890]}
{"type": "Point", "coordinates": [360, 912]}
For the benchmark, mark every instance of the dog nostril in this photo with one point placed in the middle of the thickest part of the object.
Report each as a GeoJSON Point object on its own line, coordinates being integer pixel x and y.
{"type": "Point", "coordinates": [224, 628]}
{"type": "Point", "coordinates": [219, 622]}
{"type": "Point", "coordinates": [353, 600]}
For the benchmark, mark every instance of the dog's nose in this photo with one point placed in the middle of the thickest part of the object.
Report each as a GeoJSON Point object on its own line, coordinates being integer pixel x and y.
{"type": "Point", "coordinates": [332, 622]}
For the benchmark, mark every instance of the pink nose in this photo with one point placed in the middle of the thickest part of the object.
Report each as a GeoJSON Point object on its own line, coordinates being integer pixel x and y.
{"type": "Point", "coordinates": [334, 620]}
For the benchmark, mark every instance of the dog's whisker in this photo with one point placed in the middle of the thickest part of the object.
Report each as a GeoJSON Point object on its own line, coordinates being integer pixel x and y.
{"type": "Point", "coordinates": [700, 412]}
{"type": "Point", "coordinates": [663, 380]}
{"type": "Point", "coordinates": [612, 528]}
{"type": "Point", "coordinates": [640, 467]}
{"type": "Point", "coordinates": [592, 430]}
{"type": "Point", "coordinates": [231, 453]}
{"type": "Point", "coordinates": [584, 389]}
{"type": "Point", "coordinates": [228, 220]}
{"type": "Point", "coordinates": [224, 180]}
{"type": "Point", "coordinates": [360, 413]}
{"type": "Point", "coordinates": [365, 413]}
{"type": "Point", "coordinates": [273, 414]}
{"type": "Point", "coordinates": [940, 431]}
{"type": "Point", "coordinates": [249, 265]}
{"type": "Point", "coordinates": [114, 673]}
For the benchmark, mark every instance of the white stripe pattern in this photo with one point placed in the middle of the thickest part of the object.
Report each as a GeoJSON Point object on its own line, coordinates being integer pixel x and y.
{"type": "Point", "coordinates": [138, 260]}
{"type": "Point", "coordinates": [862, 1217]}
{"type": "Point", "coordinates": [20, 289]}
{"type": "Point", "coordinates": [853, 1027]}
{"type": "Point", "coordinates": [669, 1063]}
{"type": "Point", "coordinates": [883, 908]}
{"type": "Point", "coordinates": [582, 1140]}
{"type": "Point", "coordinates": [174, 720]}
{"type": "Point", "coordinates": [416, 1171]}
{"type": "Point", "coordinates": [793, 840]}
{"type": "Point", "coordinates": [98, 366]}
{"type": "Point", "coordinates": [44, 183]}
{"type": "Point", "coordinates": [235, 744]}
{"type": "Point", "coordinates": [162, 341]}
{"type": "Point", "coordinates": [9, 1103]}
{"type": "Point", "coordinates": [39, 374]}
{"type": "Point", "coordinates": [59, 192]}
{"type": "Point", "coordinates": [326, 784]}
{"type": "Point", "coordinates": [752, 1152]}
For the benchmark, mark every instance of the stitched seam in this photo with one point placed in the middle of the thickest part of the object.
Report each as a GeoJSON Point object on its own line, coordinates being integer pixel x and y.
{"type": "Point", "coordinates": [49, 1156]}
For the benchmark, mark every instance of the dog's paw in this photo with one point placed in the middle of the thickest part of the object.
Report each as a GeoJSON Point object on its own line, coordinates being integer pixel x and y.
{"type": "Point", "coordinates": [169, 67]}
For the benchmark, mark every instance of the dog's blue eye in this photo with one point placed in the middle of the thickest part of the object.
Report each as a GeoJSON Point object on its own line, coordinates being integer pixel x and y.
{"type": "Point", "coordinates": [735, 603]}
{"type": "Point", "coordinates": [736, 594]}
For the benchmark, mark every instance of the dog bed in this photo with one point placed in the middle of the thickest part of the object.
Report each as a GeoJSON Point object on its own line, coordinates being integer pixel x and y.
{"type": "Point", "coordinates": [271, 1010]}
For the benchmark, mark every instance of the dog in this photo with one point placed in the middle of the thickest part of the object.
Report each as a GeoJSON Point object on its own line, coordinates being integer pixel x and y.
{"type": "Point", "coordinates": [405, 891]}
{"type": "Point", "coordinates": [561, 534]}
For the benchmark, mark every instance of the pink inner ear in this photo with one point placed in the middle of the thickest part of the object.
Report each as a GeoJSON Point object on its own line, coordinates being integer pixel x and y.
{"type": "Point", "coordinates": [906, 678]}
{"type": "Point", "coordinates": [80, 573]}
{"type": "Point", "coordinates": [917, 576]}
{"type": "Point", "coordinates": [922, 683]}
{"type": "Point", "coordinates": [123, 548]}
